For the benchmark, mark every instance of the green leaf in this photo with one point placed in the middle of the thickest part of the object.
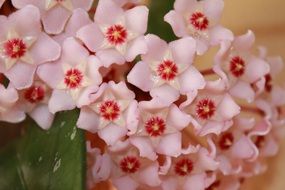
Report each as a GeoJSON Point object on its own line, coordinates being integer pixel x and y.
{"type": "Point", "coordinates": [42, 160]}
{"type": "Point", "coordinates": [157, 10]}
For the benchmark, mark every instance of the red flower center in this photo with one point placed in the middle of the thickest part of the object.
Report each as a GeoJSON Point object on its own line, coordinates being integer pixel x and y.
{"type": "Point", "coordinates": [259, 141]}
{"type": "Point", "coordinates": [205, 108]}
{"type": "Point", "coordinates": [109, 110]}
{"type": "Point", "coordinates": [237, 66]}
{"type": "Point", "coordinates": [183, 167]}
{"type": "Point", "coordinates": [155, 126]}
{"type": "Point", "coordinates": [73, 78]}
{"type": "Point", "coordinates": [199, 21]}
{"type": "Point", "coordinates": [15, 48]}
{"type": "Point", "coordinates": [34, 94]}
{"type": "Point", "coordinates": [226, 141]}
{"type": "Point", "coordinates": [130, 164]}
{"type": "Point", "coordinates": [116, 34]}
{"type": "Point", "coordinates": [268, 83]}
{"type": "Point", "coordinates": [167, 70]}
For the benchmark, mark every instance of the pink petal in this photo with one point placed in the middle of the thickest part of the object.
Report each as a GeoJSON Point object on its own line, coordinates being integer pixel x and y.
{"type": "Point", "coordinates": [78, 19]}
{"type": "Point", "coordinates": [156, 48]}
{"type": "Point", "coordinates": [44, 72]}
{"type": "Point", "coordinates": [122, 90]}
{"type": "Point", "coordinates": [112, 133]}
{"type": "Point", "coordinates": [184, 5]}
{"type": "Point", "coordinates": [136, 47]}
{"type": "Point", "coordinates": [177, 23]}
{"type": "Point", "coordinates": [45, 49]}
{"type": "Point", "coordinates": [73, 53]}
{"type": "Point", "coordinates": [110, 56]}
{"type": "Point", "coordinates": [165, 93]}
{"type": "Point", "coordinates": [140, 69]}
{"type": "Point", "coordinates": [124, 183]}
{"type": "Point", "coordinates": [149, 175]}
{"type": "Point", "coordinates": [42, 116]}
{"type": "Point", "coordinates": [52, 23]}
{"type": "Point", "coordinates": [276, 65]}
{"type": "Point", "coordinates": [23, 26]}
{"type": "Point", "coordinates": [136, 19]}
{"type": "Point", "coordinates": [213, 9]}
{"type": "Point", "coordinates": [104, 8]}
{"type": "Point", "coordinates": [207, 161]}
{"type": "Point", "coordinates": [170, 145]}
{"type": "Point", "coordinates": [93, 66]}
{"type": "Point", "coordinates": [60, 100]}
{"type": "Point", "coordinates": [278, 96]}
{"type": "Point", "coordinates": [202, 46]}
{"type": "Point", "coordinates": [244, 148]}
{"type": "Point", "coordinates": [271, 148]}
{"type": "Point", "coordinates": [191, 80]}
{"type": "Point", "coordinates": [8, 96]}
{"type": "Point", "coordinates": [13, 115]}
{"type": "Point", "coordinates": [244, 42]}
{"type": "Point", "coordinates": [195, 182]}
{"type": "Point", "coordinates": [169, 184]}
{"type": "Point", "coordinates": [143, 144]}
{"type": "Point", "coordinates": [85, 95]}
{"type": "Point", "coordinates": [214, 127]}
{"type": "Point", "coordinates": [87, 33]}
{"type": "Point", "coordinates": [21, 75]}
{"type": "Point", "coordinates": [183, 50]}
{"type": "Point", "coordinates": [132, 117]}
{"type": "Point", "coordinates": [22, 3]}
{"type": "Point", "coordinates": [219, 34]}
{"type": "Point", "coordinates": [1, 3]}
{"type": "Point", "coordinates": [227, 108]}
{"type": "Point", "coordinates": [86, 4]}
{"type": "Point", "coordinates": [88, 120]}
{"type": "Point", "coordinates": [102, 168]}
{"type": "Point", "coordinates": [177, 118]}
{"type": "Point", "coordinates": [256, 68]}
{"type": "Point", "coordinates": [243, 90]}
{"type": "Point", "coordinates": [3, 30]}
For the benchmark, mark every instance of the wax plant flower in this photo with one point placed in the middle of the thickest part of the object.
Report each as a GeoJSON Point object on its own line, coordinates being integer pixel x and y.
{"type": "Point", "coordinates": [158, 121]}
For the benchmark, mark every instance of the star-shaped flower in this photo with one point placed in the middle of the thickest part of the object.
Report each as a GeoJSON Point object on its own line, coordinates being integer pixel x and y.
{"type": "Point", "coordinates": [119, 36]}
{"type": "Point", "coordinates": [112, 109]}
{"type": "Point", "coordinates": [23, 46]}
{"type": "Point", "coordinates": [50, 9]}
{"type": "Point", "coordinates": [199, 19]}
{"type": "Point", "coordinates": [167, 69]}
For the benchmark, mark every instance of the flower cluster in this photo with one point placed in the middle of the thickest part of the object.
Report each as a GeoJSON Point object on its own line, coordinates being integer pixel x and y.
{"type": "Point", "coordinates": [161, 122]}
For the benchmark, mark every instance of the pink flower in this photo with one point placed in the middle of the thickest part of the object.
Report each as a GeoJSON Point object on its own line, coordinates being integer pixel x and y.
{"type": "Point", "coordinates": [130, 171]}
{"type": "Point", "coordinates": [189, 170]}
{"type": "Point", "coordinates": [78, 19]}
{"type": "Point", "coordinates": [10, 111]}
{"type": "Point", "coordinates": [34, 101]}
{"type": "Point", "coordinates": [239, 68]}
{"type": "Point", "coordinates": [159, 129]}
{"type": "Point", "coordinates": [167, 69]}
{"type": "Point", "coordinates": [74, 76]}
{"type": "Point", "coordinates": [112, 110]}
{"type": "Point", "coordinates": [24, 46]}
{"type": "Point", "coordinates": [116, 37]}
{"type": "Point", "coordinates": [234, 146]}
{"type": "Point", "coordinates": [212, 110]}
{"type": "Point", "coordinates": [199, 19]}
{"type": "Point", "coordinates": [54, 13]}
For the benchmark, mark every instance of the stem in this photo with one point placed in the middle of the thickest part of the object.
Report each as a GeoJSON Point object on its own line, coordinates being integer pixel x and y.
{"type": "Point", "coordinates": [207, 72]}
{"type": "Point", "coordinates": [253, 110]}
